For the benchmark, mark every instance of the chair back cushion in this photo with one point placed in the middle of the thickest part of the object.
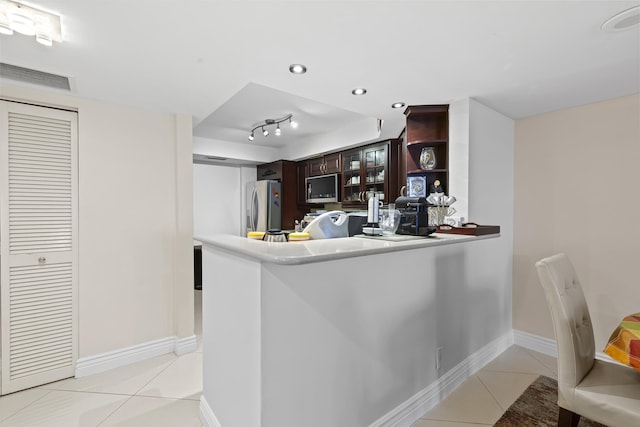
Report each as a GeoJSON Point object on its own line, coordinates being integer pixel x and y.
{"type": "Point", "coordinates": [571, 320]}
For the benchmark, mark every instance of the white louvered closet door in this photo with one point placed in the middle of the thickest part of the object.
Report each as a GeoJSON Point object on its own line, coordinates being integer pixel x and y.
{"type": "Point", "coordinates": [38, 243]}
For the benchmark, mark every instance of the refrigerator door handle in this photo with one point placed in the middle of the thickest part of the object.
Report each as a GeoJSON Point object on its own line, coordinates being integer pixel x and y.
{"type": "Point", "coordinates": [254, 211]}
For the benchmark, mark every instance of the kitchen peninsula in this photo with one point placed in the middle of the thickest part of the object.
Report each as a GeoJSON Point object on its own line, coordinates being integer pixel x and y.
{"type": "Point", "coordinates": [345, 332]}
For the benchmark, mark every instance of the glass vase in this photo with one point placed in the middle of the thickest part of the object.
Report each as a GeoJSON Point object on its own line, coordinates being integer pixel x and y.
{"type": "Point", "coordinates": [427, 158]}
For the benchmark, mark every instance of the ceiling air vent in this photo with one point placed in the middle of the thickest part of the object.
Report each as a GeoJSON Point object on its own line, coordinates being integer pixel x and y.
{"type": "Point", "coordinates": [27, 75]}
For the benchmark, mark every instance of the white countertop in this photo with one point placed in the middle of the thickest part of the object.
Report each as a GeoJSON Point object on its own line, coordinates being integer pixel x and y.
{"type": "Point", "coordinates": [328, 249]}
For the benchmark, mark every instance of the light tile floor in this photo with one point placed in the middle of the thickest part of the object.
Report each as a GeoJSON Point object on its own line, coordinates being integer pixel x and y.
{"type": "Point", "coordinates": [484, 397]}
{"type": "Point", "coordinates": [165, 391]}
{"type": "Point", "coordinates": [158, 392]}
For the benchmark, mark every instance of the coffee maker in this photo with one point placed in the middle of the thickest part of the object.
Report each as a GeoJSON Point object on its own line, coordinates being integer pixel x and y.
{"type": "Point", "coordinates": [414, 216]}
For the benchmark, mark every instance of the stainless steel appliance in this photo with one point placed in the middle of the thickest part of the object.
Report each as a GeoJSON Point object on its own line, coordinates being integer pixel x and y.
{"type": "Point", "coordinates": [274, 236]}
{"type": "Point", "coordinates": [373, 216]}
{"type": "Point", "coordinates": [322, 189]}
{"type": "Point", "coordinates": [264, 206]}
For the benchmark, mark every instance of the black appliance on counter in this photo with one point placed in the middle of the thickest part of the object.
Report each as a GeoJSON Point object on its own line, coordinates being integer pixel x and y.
{"type": "Point", "coordinates": [414, 216]}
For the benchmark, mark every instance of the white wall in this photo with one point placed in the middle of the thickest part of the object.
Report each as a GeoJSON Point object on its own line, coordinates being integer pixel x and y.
{"type": "Point", "coordinates": [577, 175]}
{"type": "Point", "coordinates": [459, 156]}
{"type": "Point", "coordinates": [129, 179]}
{"type": "Point", "coordinates": [491, 148]}
{"type": "Point", "coordinates": [234, 151]}
{"type": "Point", "coordinates": [219, 198]}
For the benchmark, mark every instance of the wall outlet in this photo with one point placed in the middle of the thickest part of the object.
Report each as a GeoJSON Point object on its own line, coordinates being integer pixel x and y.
{"type": "Point", "coordinates": [438, 358]}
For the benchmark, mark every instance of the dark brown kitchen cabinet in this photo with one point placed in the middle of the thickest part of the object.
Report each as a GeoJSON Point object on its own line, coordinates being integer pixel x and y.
{"type": "Point", "coordinates": [285, 172]}
{"type": "Point", "coordinates": [402, 163]}
{"type": "Point", "coordinates": [427, 129]}
{"type": "Point", "coordinates": [303, 173]}
{"type": "Point", "coordinates": [327, 164]}
{"type": "Point", "coordinates": [371, 169]}
{"type": "Point", "coordinates": [271, 170]}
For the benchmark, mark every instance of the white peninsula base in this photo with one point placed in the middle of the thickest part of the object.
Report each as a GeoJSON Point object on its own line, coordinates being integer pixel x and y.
{"type": "Point", "coordinates": [344, 341]}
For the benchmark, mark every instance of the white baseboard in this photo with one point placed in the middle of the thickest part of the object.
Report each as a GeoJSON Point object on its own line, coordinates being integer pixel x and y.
{"type": "Point", "coordinates": [185, 345]}
{"type": "Point", "coordinates": [546, 346]}
{"type": "Point", "coordinates": [207, 416]}
{"type": "Point", "coordinates": [412, 409]}
{"type": "Point", "coordinates": [136, 353]}
{"type": "Point", "coordinates": [535, 342]}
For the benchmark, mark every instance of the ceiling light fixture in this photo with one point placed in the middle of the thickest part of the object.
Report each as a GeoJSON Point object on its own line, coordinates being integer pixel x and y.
{"type": "Point", "coordinates": [30, 21]}
{"type": "Point", "coordinates": [622, 21]}
{"type": "Point", "coordinates": [297, 69]}
{"type": "Point", "coordinates": [397, 105]}
{"type": "Point", "coordinates": [359, 91]}
{"type": "Point", "coordinates": [269, 122]}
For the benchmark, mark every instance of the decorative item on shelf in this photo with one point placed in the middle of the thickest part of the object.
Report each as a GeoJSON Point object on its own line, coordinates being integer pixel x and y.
{"type": "Point", "coordinates": [436, 187]}
{"type": "Point", "coordinates": [427, 158]}
{"type": "Point", "coordinates": [417, 186]}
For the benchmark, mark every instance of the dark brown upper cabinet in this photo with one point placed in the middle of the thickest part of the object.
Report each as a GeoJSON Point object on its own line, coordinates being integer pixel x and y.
{"type": "Point", "coordinates": [327, 164]}
{"type": "Point", "coordinates": [426, 135]}
{"type": "Point", "coordinates": [372, 169]}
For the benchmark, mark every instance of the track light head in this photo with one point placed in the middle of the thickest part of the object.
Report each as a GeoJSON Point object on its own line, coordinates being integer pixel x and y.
{"type": "Point", "coordinates": [265, 132]}
{"type": "Point", "coordinates": [278, 131]}
{"type": "Point", "coordinates": [251, 136]}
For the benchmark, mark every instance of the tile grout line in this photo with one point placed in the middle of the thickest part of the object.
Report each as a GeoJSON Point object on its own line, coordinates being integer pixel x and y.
{"type": "Point", "coordinates": [155, 376]}
{"type": "Point", "coordinates": [532, 353]}
{"type": "Point", "coordinates": [492, 395]}
{"type": "Point", "coordinates": [114, 411]}
{"type": "Point", "coordinates": [22, 409]}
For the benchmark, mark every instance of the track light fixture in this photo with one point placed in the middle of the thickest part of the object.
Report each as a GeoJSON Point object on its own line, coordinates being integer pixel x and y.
{"type": "Point", "coordinates": [269, 122]}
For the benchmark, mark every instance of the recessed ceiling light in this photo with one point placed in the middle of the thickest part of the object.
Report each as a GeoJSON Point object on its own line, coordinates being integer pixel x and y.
{"type": "Point", "coordinates": [397, 105]}
{"type": "Point", "coordinates": [622, 21]}
{"type": "Point", "coordinates": [359, 91]}
{"type": "Point", "coordinates": [297, 69]}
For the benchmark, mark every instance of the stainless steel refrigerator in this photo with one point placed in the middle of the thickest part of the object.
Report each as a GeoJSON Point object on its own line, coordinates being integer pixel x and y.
{"type": "Point", "coordinates": [264, 206]}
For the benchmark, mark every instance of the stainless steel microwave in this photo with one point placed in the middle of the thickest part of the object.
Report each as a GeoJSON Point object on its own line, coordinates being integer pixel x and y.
{"type": "Point", "coordinates": [322, 189]}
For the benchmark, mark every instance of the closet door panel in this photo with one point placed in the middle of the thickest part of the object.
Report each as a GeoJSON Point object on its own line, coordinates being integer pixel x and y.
{"type": "Point", "coordinates": [38, 245]}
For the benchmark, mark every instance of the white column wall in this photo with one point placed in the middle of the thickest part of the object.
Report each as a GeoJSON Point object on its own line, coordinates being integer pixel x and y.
{"type": "Point", "coordinates": [184, 280]}
{"type": "Point", "coordinates": [219, 198]}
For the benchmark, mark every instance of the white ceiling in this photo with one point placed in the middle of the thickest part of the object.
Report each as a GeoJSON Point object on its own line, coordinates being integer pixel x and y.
{"type": "Point", "coordinates": [226, 62]}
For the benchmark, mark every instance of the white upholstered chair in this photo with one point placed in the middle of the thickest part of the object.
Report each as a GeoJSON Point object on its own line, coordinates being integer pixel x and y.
{"type": "Point", "coordinates": [605, 392]}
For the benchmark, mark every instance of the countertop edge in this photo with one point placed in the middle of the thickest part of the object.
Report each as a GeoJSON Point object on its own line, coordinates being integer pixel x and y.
{"type": "Point", "coordinates": [296, 253]}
